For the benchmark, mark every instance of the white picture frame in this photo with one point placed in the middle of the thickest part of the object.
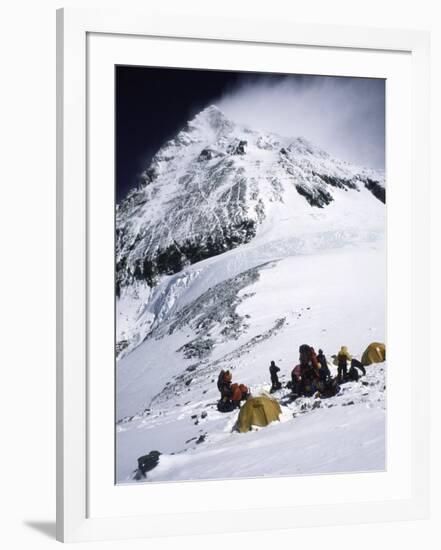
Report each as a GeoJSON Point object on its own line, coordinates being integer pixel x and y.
{"type": "Point", "coordinates": [77, 519]}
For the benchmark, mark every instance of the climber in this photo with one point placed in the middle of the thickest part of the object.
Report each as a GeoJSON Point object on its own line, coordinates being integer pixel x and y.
{"type": "Point", "coordinates": [325, 373]}
{"type": "Point", "coordinates": [224, 384]}
{"type": "Point", "coordinates": [343, 357]}
{"type": "Point", "coordinates": [305, 375]}
{"type": "Point", "coordinates": [359, 365]}
{"type": "Point", "coordinates": [296, 380]}
{"type": "Point", "coordinates": [353, 372]}
{"type": "Point", "coordinates": [310, 373]}
{"type": "Point", "coordinates": [225, 404]}
{"type": "Point", "coordinates": [275, 383]}
{"type": "Point", "coordinates": [231, 394]}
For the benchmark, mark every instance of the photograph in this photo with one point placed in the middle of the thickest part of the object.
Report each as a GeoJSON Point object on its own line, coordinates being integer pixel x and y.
{"type": "Point", "coordinates": [250, 274]}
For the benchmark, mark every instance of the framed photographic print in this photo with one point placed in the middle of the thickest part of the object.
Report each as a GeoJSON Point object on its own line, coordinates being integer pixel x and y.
{"type": "Point", "coordinates": [242, 234]}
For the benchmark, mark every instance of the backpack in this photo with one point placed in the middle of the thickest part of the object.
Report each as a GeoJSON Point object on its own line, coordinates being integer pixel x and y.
{"type": "Point", "coordinates": [353, 374]}
{"type": "Point", "coordinates": [225, 406]}
{"type": "Point", "coordinates": [236, 394]}
{"type": "Point", "coordinates": [304, 354]}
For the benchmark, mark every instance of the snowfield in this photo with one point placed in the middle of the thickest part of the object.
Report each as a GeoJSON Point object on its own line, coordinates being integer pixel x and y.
{"type": "Point", "coordinates": [342, 434]}
{"type": "Point", "coordinates": [306, 273]}
{"type": "Point", "coordinates": [162, 397]}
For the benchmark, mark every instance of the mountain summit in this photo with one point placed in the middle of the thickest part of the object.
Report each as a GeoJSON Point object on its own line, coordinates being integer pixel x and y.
{"type": "Point", "coordinates": [210, 188]}
{"type": "Point", "coordinates": [213, 118]}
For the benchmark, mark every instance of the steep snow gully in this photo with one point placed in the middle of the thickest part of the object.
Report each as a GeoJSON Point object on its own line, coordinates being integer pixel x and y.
{"type": "Point", "coordinates": [237, 247]}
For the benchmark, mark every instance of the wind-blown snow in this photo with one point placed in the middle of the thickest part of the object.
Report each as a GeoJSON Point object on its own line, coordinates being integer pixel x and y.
{"type": "Point", "coordinates": [304, 273]}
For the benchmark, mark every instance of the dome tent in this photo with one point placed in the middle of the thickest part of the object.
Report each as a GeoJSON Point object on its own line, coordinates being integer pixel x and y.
{"type": "Point", "coordinates": [374, 353]}
{"type": "Point", "coordinates": [258, 411]}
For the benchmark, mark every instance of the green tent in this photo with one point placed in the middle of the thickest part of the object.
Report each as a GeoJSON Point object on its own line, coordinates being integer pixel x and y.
{"type": "Point", "coordinates": [258, 411]}
{"type": "Point", "coordinates": [374, 353]}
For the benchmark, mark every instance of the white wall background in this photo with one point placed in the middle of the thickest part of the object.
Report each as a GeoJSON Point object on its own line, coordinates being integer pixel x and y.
{"type": "Point", "coordinates": [27, 270]}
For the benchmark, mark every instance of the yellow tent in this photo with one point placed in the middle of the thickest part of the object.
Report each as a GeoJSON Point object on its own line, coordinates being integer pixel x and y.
{"type": "Point", "coordinates": [374, 353]}
{"type": "Point", "coordinates": [258, 411]}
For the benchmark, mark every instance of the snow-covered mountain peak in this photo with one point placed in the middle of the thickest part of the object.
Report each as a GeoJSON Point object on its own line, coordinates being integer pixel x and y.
{"type": "Point", "coordinates": [213, 119]}
{"type": "Point", "coordinates": [218, 185]}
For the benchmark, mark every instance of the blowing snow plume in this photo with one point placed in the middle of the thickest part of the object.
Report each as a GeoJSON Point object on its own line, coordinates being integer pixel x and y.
{"type": "Point", "coordinates": [344, 116]}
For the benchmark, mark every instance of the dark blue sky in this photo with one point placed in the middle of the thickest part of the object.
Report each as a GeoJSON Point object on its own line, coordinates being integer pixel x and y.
{"type": "Point", "coordinates": [152, 104]}
{"type": "Point", "coordinates": [346, 116]}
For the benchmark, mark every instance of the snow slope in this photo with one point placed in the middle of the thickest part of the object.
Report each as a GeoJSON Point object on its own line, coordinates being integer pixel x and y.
{"type": "Point", "coordinates": [341, 434]}
{"type": "Point", "coordinates": [302, 272]}
{"type": "Point", "coordinates": [312, 298]}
